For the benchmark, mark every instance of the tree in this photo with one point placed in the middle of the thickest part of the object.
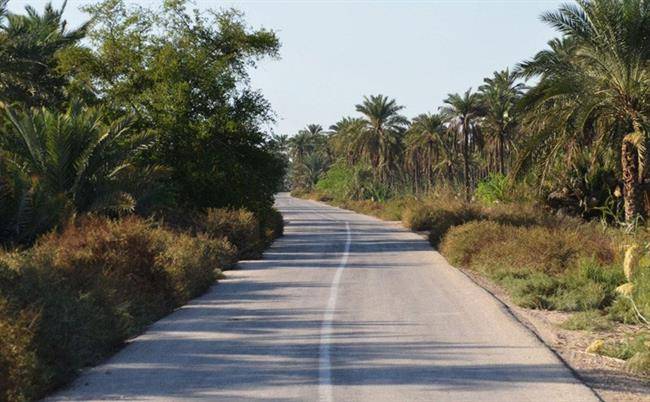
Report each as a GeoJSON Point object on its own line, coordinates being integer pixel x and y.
{"type": "Point", "coordinates": [499, 96]}
{"type": "Point", "coordinates": [342, 138]}
{"type": "Point", "coordinates": [184, 74]}
{"type": "Point", "coordinates": [425, 148]}
{"type": "Point", "coordinates": [462, 112]}
{"type": "Point", "coordinates": [30, 48]}
{"type": "Point", "coordinates": [77, 157]}
{"type": "Point", "coordinates": [596, 82]}
{"type": "Point", "coordinates": [379, 139]}
{"type": "Point", "coordinates": [310, 155]}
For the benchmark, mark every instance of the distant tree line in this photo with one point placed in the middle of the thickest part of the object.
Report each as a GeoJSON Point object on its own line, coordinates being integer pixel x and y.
{"type": "Point", "coordinates": [576, 138]}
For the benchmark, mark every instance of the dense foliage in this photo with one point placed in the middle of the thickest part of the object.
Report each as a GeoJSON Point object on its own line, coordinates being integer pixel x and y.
{"type": "Point", "coordinates": [133, 169]}
{"type": "Point", "coordinates": [155, 114]}
{"type": "Point", "coordinates": [576, 138]}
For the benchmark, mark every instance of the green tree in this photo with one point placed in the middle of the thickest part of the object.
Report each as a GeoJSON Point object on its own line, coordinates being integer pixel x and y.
{"type": "Point", "coordinates": [500, 95]}
{"type": "Point", "coordinates": [595, 84]}
{"type": "Point", "coordinates": [184, 74]}
{"type": "Point", "coordinates": [311, 156]}
{"type": "Point", "coordinates": [30, 49]}
{"type": "Point", "coordinates": [462, 113]}
{"type": "Point", "coordinates": [379, 139]}
{"type": "Point", "coordinates": [425, 149]}
{"type": "Point", "coordinates": [77, 156]}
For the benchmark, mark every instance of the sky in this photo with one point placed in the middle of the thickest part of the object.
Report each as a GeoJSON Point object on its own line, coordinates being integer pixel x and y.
{"type": "Point", "coordinates": [335, 52]}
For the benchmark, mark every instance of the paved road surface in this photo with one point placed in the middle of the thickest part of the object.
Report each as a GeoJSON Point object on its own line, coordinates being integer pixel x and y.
{"type": "Point", "coordinates": [342, 308]}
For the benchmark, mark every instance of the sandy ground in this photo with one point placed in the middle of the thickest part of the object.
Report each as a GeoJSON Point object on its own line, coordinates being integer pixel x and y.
{"type": "Point", "coordinates": [605, 375]}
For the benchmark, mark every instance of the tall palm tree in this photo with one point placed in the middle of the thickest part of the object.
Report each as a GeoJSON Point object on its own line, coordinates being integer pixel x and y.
{"type": "Point", "coordinates": [342, 138]}
{"type": "Point", "coordinates": [424, 148]}
{"type": "Point", "coordinates": [379, 139]}
{"type": "Point", "coordinates": [597, 82]}
{"type": "Point", "coordinates": [499, 96]}
{"type": "Point", "coordinates": [462, 113]}
{"type": "Point", "coordinates": [30, 45]}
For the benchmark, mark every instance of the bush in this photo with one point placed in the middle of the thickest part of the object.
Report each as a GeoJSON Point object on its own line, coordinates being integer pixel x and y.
{"type": "Point", "coordinates": [485, 244]}
{"type": "Point", "coordinates": [438, 219]}
{"type": "Point", "coordinates": [75, 296]}
{"type": "Point", "coordinates": [336, 182]}
{"type": "Point", "coordinates": [194, 263]}
{"type": "Point", "coordinates": [239, 226]}
{"type": "Point", "coordinates": [556, 267]}
{"type": "Point", "coordinates": [17, 359]}
{"type": "Point", "coordinates": [272, 225]}
{"type": "Point", "coordinates": [495, 188]}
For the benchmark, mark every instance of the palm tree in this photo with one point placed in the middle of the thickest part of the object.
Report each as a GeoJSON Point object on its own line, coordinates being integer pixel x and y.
{"type": "Point", "coordinates": [379, 139]}
{"type": "Point", "coordinates": [424, 147]}
{"type": "Point", "coordinates": [343, 133]}
{"type": "Point", "coordinates": [499, 96]}
{"type": "Point", "coordinates": [29, 49]}
{"type": "Point", "coordinates": [596, 81]}
{"type": "Point", "coordinates": [462, 113]}
{"type": "Point", "coordinates": [77, 156]}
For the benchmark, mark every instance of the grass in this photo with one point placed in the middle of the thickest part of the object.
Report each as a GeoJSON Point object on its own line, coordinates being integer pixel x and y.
{"type": "Point", "coordinates": [591, 320]}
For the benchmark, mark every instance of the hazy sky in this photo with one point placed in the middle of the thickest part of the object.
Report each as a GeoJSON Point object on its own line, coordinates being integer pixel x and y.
{"type": "Point", "coordinates": [335, 52]}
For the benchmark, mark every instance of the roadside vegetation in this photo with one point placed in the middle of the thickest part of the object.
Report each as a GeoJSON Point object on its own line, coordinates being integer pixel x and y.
{"type": "Point", "coordinates": [537, 180]}
{"type": "Point", "coordinates": [133, 170]}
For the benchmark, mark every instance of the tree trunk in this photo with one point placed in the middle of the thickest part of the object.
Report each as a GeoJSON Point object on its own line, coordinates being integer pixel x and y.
{"type": "Point", "coordinates": [502, 168]}
{"type": "Point", "coordinates": [466, 160]}
{"type": "Point", "coordinates": [632, 193]}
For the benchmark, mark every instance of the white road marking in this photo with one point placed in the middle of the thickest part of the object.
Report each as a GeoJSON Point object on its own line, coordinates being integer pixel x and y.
{"type": "Point", "coordinates": [324, 360]}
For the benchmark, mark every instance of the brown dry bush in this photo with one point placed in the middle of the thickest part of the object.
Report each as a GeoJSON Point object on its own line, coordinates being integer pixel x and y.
{"type": "Point", "coordinates": [76, 296]}
{"type": "Point", "coordinates": [239, 226]}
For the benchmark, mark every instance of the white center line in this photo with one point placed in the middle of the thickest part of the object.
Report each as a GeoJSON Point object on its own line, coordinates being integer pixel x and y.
{"type": "Point", "coordinates": [324, 360]}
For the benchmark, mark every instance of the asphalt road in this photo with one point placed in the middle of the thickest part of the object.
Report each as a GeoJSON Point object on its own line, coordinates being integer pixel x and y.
{"type": "Point", "coordinates": [344, 307]}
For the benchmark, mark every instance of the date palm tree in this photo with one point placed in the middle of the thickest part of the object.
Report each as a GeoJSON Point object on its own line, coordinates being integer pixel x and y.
{"type": "Point", "coordinates": [77, 156]}
{"type": "Point", "coordinates": [462, 113]}
{"type": "Point", "coordinates": [379, 139]}
{"type": "Point", "coordinates": [30, 45]}
{"type": "Point", "coordinates": [596, 82]}
{"type": "Point", "coordinates": [342, 138]}
{"type": "Point", "coordinates": [424, 148]}
{"type": "Point", "coordinates": [499, 96]}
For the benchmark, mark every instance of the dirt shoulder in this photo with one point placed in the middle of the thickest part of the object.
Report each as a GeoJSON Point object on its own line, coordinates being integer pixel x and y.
{"type": "Point", "coordinates": [605, 375]}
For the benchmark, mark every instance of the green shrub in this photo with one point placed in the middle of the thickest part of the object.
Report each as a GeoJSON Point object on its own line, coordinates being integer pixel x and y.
{"type": "Point", "coordinates": [337, 182]}
{"type": "Point", "coordinates": [495, 188]}
{"type": "Point", "coordinates": [592, 320]}
{"type": "Point", "coordinates": [528, 289]}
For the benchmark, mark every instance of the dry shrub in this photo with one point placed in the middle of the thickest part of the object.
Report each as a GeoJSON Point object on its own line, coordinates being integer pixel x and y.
{"type": "Point", "coordinates": [239, 226]}
{"type": "Point", "coordinates": [518, 214]}
{"type": "Point", "coordinates": [90, 288]}
{"type": "Point", "coordinates": [438, 219]}
{"type": "Point", "coordinates": [486, 244]}
{"type": "Point", "coordinates": [194, 263]}
{"type": "Point", "coordinates": [17, 358]}
{"type": "Point", "coordinates": [272, 225]}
